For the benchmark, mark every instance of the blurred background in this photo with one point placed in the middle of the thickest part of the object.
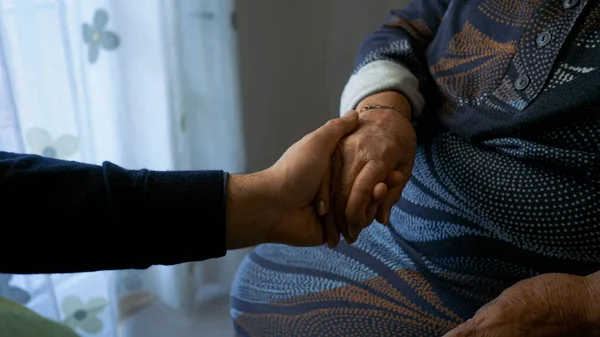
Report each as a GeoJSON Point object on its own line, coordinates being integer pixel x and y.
{"type": "Point", "coordinates": [166, 84]}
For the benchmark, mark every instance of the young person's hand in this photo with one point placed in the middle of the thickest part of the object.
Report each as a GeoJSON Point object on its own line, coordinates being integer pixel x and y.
{"type": "Point", "coordinates": [288, 203]}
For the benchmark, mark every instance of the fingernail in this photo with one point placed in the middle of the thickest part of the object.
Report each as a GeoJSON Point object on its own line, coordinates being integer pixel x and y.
{"type": "Point", "coordinates": [387, 217]}
{"type": "Point", "coordinates": [353, 231]}
{"type": "Point", "coordinates": [322, 209]}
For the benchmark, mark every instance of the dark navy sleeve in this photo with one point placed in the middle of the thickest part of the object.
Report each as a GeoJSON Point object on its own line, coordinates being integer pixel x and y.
{"type": "Point", "coordinates": [62, 216]}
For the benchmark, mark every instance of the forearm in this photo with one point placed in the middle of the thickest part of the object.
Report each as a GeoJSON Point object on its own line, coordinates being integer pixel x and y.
{"type": "Point", "coordinates": [62, 216]}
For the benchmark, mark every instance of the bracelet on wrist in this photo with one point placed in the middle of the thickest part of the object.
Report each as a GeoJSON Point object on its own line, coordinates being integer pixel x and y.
{"type": "Point", "coordinates": [384, 107]}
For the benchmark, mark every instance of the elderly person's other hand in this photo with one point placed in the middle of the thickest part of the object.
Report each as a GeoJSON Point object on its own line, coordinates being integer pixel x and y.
{"type": "Point", "coordinates": [546, 305]}
{"type": "Point", "coordinates": [375, 160]}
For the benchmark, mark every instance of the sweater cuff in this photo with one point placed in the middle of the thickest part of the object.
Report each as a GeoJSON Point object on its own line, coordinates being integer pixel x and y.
{"type": "Point", "coordinates": [379, 76]}
{"type": "Point", "coordinates": [194, 202]}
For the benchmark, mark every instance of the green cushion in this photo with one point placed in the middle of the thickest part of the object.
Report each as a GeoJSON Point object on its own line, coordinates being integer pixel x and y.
{"type": "Point", "coordinates": [19, 321]}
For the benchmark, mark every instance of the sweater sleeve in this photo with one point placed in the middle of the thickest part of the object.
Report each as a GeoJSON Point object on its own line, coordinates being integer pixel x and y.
{"type": "Point", "coordinates": [393, 57]}
{"type": "Point", "coordinates": [61, 216]}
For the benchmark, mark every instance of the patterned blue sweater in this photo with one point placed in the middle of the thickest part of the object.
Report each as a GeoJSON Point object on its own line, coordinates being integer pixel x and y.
{"type": "Point", "coordinates": [510, 170]}
{"type": "Point", "coordinates": [505, 186]}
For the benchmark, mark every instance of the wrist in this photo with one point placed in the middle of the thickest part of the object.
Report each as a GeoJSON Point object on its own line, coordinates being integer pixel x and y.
{"type": "Point", "coordinates": [389, 98]}
{"type": "Point", "coordinates": [250, 209]}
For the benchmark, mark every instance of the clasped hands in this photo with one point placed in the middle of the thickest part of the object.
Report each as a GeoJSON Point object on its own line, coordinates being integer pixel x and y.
{"type": "Point", "coordinates": [370, 168]}
{"type": "Point", "coordinates": [340, 178]}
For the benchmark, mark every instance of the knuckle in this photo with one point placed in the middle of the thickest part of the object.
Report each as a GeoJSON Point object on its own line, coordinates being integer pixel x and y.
{"type": "Point", "coordinates": [376, 166]}
{"type": "Point", "coordinates": [342, 191]}
{"type": "Point", "coordinates": [362, 189]}
{"type": "Point", "coordinates": [334, 122]}
{"type": "Point", "coordinates": [350, 215]}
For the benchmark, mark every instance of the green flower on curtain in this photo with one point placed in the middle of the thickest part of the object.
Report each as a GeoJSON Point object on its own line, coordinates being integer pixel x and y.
{"type": "Point", "coordinates": [97, 37]}
{"type": "Point", "coordinates": [11, 292]}
{"type": "Point", "coordinates": [84, 316]}
{"type": "Point", "coordinates": [41, 143]}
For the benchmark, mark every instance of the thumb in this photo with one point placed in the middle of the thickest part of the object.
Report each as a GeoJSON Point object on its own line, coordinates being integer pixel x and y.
{"type": "Point", "coordinates": [328, 136]}
{"type": "Point", "coordinates": [464, 329]}
{"type": "Point", "coordinates": [454, 332]}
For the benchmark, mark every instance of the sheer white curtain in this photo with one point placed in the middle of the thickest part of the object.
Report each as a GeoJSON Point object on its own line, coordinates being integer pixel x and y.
{"type": "Point", "coordinates": [142, 83]}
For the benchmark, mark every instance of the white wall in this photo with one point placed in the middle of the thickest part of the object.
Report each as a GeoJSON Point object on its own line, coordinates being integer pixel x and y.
{"type": "Point", "coordinates": [295, 57]}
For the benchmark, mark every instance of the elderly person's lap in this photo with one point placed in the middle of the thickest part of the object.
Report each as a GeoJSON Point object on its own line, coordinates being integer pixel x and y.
{"type": "Point", "coordinates": [372, 288]}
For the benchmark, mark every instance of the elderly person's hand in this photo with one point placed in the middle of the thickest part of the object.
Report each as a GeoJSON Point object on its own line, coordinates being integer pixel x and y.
{"type": "Point", "coordinates": [546, 305]}
{"type": "Point", "coordinates": [378, 156]}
